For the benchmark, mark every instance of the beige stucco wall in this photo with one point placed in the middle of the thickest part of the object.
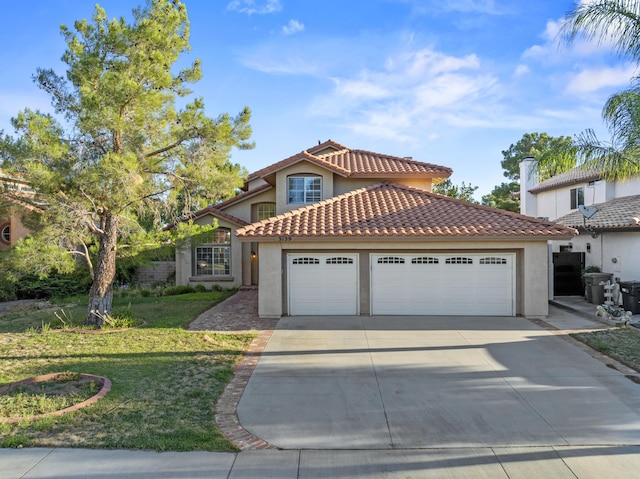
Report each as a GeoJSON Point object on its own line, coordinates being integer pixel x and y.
{"type": "Point", "coordinates": [270, 287]}
{"type": "Point", "coordinates": [18, 230]}
{"type": "Point", "coordinates": [531, 269]}
{"type": "Point", "coordinates": [303, 167]}
{"type": "Point", "coordinates": [243, 210]}
{"type": "Point", "coordinates": [344, 185]}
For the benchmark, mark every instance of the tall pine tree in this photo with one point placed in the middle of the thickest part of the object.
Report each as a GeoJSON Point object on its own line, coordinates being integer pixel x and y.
{"type": "Point", "coordinates": [118, 149]}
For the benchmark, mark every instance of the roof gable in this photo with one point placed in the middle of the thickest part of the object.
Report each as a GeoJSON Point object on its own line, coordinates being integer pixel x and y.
{"type": "Point", "coordinates": [208, 211]}
{"type": "Point", "coordinates": [357, 163]}
{"type": "Point", "coordinates": [390, 210]}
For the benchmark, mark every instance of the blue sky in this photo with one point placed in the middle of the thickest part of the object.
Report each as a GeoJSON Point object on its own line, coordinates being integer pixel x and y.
{"type": "Point", "coordinates": [448, 82]}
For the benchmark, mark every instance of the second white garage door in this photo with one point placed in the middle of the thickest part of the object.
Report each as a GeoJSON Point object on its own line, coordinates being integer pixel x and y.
{"type": "Point", "coordinates": [322, 283]}
{"type": "Point", "coordinates": [444, 284]}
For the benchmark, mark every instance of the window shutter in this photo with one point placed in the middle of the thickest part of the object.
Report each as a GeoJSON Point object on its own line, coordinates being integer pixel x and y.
{"type": "Point", "coordinates": [573, 198]}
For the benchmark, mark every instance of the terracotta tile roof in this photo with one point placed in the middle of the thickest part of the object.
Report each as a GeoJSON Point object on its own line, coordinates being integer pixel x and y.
{"type": "Point", "coordinates": [573, 176]}
{"type": "Point", "coordinates": [618, 213]}
{"type": "Point", "coordinates": [367, 163]}
{"type": "Point", "coordinates": [391, 210]}
{"type": "Point", "coordinates": [325, 145]}
{"type": "Point", "coordinates": [304, 155]}
{"type": "Point", "coordinates": [359, 163]}
{"type": "Point", "coordinates": [242, 196]}
{"type": "Point", "coordinates": [209, 210]}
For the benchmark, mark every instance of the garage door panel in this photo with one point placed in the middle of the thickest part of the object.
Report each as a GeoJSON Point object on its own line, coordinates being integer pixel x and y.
{"type": "Point", "coordinates": [322, 284]}
{"type": "Point", "coordinates": [450, 284]}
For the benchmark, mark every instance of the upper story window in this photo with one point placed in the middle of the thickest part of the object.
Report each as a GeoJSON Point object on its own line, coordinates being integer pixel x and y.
{"type": "Point", "coordinates": [266, 210]}
{"type": "Point", "coordinates": [5, 234]}
{"type": "Point", "coordinates": [577, 197]}
{"type": "Point", "coordinates": [213, 254]}
{"type": "Point", "coordinates": [304, 189]}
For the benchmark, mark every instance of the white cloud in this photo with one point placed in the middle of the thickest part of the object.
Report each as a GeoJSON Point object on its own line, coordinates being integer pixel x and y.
{"type": "Point", "coordinates": [251, 7]}
{"type": "Point", "coordinates": [293, 64]}
{"type": "Point", "coordinates": [521, 70]}
{"type": "Point", "coordinates": [593, 79]}
{"type": "Point", "coordinates": [359, 89]}
{"type": "Point", "coordinates": [294, 26]}
{"type": "Point", "coordinates": [412, 91]}
{"type": "Point", "coordinates": [554, 49]}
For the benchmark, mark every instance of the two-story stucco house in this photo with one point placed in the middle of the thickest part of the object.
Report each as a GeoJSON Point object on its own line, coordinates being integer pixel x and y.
{"type": "Point", "coordinates": [605, 213]}
{"type": "Point", "coordinates": [338, 231]}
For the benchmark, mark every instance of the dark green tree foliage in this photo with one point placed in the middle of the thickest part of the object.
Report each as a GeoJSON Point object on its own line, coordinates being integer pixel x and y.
{"type": "Point", "coordinates": [119, 152]}
{"type": "Point", "coordinates": [463, 192]}
{"type": "Point", "coordinates": [505, 196]}
{"type": "Point", "coordinates": [615, 22]}
{"type": "Point", "coordinates": [553, 155]}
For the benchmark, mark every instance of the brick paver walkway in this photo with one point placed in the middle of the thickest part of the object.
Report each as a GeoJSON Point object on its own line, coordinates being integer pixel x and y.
{"type": "Point", "coordinates": [238, 313]}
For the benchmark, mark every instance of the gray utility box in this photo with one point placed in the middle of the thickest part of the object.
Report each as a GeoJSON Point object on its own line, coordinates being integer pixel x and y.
{"type": "Point", "coordinates": [595, 292]}
{"type": "Point", "coordinates": [630, 296]}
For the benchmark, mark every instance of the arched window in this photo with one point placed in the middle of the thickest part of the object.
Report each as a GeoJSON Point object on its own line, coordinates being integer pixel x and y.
{"type": "Point", "coordinates": [212, 253]}
{"type": "Point", "coordinates": [5, 233]}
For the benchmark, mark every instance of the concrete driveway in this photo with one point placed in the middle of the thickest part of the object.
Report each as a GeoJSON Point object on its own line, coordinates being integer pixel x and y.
{"type": "Point", "coordinates": [433, 382]}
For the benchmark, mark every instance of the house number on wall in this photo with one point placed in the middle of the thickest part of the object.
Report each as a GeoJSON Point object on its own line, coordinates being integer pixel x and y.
{"type": "Point", "coordinates": [284, 238]}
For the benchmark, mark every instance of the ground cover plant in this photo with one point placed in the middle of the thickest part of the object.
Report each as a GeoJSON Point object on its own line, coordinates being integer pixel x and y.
{"type": "Point", "coordinates": [622, 344]}
{"type": "Point", "coordinates": [165, 380]}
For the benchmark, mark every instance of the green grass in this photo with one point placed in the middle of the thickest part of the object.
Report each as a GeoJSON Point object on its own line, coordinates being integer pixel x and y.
{"type": "Point", "coordinates": [622, 344]}
{"type": "Point", "coordinates": [43, 397]}
{"type": "Point", "coordinates": [165, 380]}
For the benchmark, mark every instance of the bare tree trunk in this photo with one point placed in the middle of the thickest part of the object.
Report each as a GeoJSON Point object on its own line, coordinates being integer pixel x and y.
{"type": "Point", "coordinates": [101, 292]}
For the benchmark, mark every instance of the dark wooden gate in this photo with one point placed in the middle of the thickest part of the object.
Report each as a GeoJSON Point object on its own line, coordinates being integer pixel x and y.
{"type": "Point", "coordinates": [567, 274]}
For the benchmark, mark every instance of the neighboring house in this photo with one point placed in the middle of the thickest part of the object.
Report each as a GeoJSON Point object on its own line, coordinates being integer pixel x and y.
{"type": "Point", "coordinates": [11, 219]}
{"type": "Point", "coordinates": [608, 226]}
{"type": "Point", "coordinates": [338, 231]}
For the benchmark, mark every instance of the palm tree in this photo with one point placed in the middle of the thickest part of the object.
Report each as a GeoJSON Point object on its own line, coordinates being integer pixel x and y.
{"type": "Point", "coordinates": [618, 22]}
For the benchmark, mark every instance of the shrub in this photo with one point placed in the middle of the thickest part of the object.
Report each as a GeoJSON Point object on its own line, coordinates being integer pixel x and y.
{"type": "Point", "coordinates": [7, 290]}
{"type": "Point", "coordinates": [53, 286]}
{"type": "Point", "coordinates": [200, 288]}
{"type": "Point", "coordinates": [175, 290]}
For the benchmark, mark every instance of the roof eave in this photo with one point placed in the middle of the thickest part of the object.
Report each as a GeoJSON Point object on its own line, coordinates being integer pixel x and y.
{"type": "Point", "coordinates": [564, 184]}
{"type": "Point", "coordinates": [402, 239]}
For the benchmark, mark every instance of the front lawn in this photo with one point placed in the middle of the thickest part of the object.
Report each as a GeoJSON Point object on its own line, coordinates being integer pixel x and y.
{"type": "Point", "coordinates": [622, 344]}
{"type": "Point", "coordinates": [165, 380]}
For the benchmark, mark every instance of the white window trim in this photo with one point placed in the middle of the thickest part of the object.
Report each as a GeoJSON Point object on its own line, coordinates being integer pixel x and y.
{"type": "Point", "coordinates": [310, 196]}
{"type": "Point", "coordinates": [224, 248]}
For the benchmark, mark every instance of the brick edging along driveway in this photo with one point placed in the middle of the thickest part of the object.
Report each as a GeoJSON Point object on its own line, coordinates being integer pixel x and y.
{"type": "Point", "coordinates": [225, 414]}
{"type": "Point", "coordinates": [238, 314]}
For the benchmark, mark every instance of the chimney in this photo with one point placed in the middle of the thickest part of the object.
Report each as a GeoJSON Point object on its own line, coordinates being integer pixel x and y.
{"type": "Point", "coordinates": [528, 179]}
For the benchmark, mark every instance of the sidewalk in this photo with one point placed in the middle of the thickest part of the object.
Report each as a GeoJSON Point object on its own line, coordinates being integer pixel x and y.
{"type": "Point", "coordinates": [556, 460]}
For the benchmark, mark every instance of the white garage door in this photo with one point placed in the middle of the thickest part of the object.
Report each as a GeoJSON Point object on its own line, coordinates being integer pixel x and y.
{"type": "Point", "coordinates": [323, 284]}
{"type": "Point", "coordinates": [447, 284]}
